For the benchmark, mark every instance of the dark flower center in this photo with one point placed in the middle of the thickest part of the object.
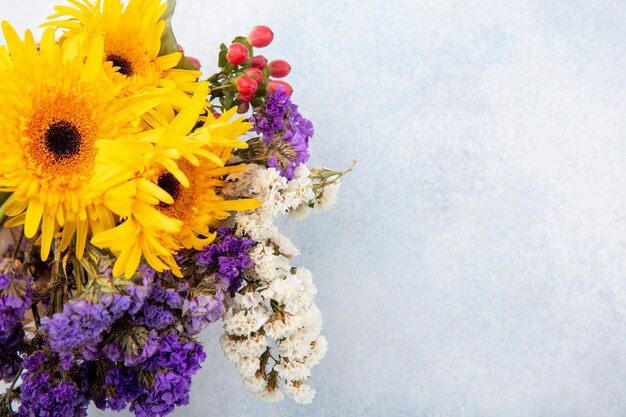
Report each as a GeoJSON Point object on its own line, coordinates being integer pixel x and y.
{"type": "Point", "coordinates": [126, 67]}
{"type": "Point", "coordinates": [170, 184]}
{"type": "Point", "coordinates": [63, 139]}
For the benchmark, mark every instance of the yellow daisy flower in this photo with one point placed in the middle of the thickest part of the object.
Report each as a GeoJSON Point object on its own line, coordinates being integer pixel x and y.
{"type": "Point", "coordinates": [168, 180]}
{"type": "Point", "coordinates": [132, 41]}
{"type": "Point", "coordinates": [55, 103]}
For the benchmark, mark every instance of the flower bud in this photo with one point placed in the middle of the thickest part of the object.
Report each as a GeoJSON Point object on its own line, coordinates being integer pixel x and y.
{"type": "Point", "coordinates": [237, 54]}
{"type": "Point", "coordinates": [279, 68]}
{"type": "Point", "coordinates": [194, 61]}
{"type": "Point", "coordinates": [246, 86]}
{"type": "Point", "coordinates": [243, 107]}
{"type": "Point", "coordinates": [259, 62]}
{"type": "Point", "coordinates": [260, 36]}
{"type": "Point", "coordinates": [274, 85]}
{"type": "Point", "coordinates": [254, 73]}
{"type": "Point", "coordinates": [245, 98]}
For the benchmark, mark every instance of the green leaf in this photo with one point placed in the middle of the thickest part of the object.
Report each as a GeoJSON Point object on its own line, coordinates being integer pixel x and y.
{"type": "Point", "coordinates": [168, 40]}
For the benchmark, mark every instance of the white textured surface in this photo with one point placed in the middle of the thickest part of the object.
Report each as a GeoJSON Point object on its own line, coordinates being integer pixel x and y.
{"type": "Point", "coordinates": [474, 265]}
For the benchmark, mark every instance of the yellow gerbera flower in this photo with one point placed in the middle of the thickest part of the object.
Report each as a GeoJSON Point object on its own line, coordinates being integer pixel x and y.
{"type": "Point", "coordinates": [55, 103]}
{"type": "Point", "coordinates": [132, 41]}
{"type": "Point", "coordinates": [168, 180]}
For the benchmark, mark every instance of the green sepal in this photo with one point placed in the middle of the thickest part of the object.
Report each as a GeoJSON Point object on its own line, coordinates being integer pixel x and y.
{"type": "Point", "coordinates": [168, 40]}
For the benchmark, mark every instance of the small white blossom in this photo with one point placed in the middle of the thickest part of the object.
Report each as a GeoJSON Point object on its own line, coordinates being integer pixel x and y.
{"type": "Point", "coordinates": [244, 322]}
{"type": "Point", "coordinates": [255, 384]}
{"type": "Point", "coordinates": [229, 348]}
{"type": "Point", "coordinates": [248, 367]}
{"type": "Point", "coordinates": [317, 352]}
{"type": "Point", "coordinates": [267, 264]}
{"type": "Point", "coordinates": [248, 300]}
{"type": "Point", "coordinates": [285, 246]}
{"type": "Point", "coordinates": [301, 212]}
{"type": "Point", "coordinates": [271, 395]}
{"type": "Point", "coordinates": [293, 371]}
{"type": "Point", "coordinates": [327, 197]}
{"type": "Point", "coordinates": [279, 329]}
{"type": "Point", "coordinates": [251, 347]}
{"type": "Point", "coordinates": [302, 393]}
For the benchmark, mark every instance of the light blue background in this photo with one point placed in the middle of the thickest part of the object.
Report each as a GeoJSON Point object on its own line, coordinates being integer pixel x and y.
{"type": "Point", "coordinates": [474, 264]}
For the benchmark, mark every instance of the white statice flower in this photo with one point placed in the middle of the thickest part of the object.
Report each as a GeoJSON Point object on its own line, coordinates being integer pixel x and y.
{"type": "Point", "coordinates": [300, 188]}
{"type": "Point", "coordinates": [285, 290]}
{"type": "Point", "coordinates": [255, 384]}
{"type": "Point", "coordinates": [284, 244]}
{"type": "Point", "coordinates": [317, 352]}
{"type": "Point", "coordinates": [248, 367]}
{"type": "Point", "coordinates": [267, 264]}
{"type": "Point", "coordinates": [294, 293]}
{"type": "Point", "coordinates": [251, 347]}
{"type": "Point", "coordinates": [279, 329]}
{"type": "Point", "coordinates": [293, 370]}
{"type": "Point", "coordinates": [245, 322]}
{"type": "Point", "coordinates": [327, 197]}
{"type": "Point", "coordinates": [301, 212]}
{"type": "Point", "coordinates": [298, 345]}
{"type": "Point", "coordinates": [229, 347]}
{"type": "Point", "coordinates": [270, 395]}
{"type": "Point", "coordinates": [248, 300]}
{"type": "Point", "coordinates": [255, 224]}
{"type": "Point", "coordinates": [268, 186]}
{"type": "Point", "coordinates": [300, 393]}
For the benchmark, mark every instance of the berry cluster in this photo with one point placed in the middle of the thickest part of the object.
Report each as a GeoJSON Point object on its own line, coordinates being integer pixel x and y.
{"type": "Point", "coordinates": [245, 78]}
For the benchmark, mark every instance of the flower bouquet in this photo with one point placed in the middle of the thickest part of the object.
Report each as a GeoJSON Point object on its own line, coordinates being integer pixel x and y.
{"type": "Point", "coordinates": [138, 200]}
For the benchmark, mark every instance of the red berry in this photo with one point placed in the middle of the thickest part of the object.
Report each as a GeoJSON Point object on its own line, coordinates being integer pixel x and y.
{"type": "Point", "coordinates": [237, 54]}
{"type": "Point", "coordinates": [279, 68]}
{"type": "Point", "coordinates": [259, 62]}
{"type": "Point", "coordinates": [254, 73]}
{"type": "Point", "coordinates": [216, 115]}
{"type": "Point", "coordinates": [246, 86]}
{"type": "Point", "coordinates": [260, 36]}
{"type": "Point", "coordinates": [194, 61]}
{"type": "Point", "coordinates": [243, 107]}
{"type": "Point", "coordinates": [274, 85]}
{"type": "Point", "coordinates": [245, 98]}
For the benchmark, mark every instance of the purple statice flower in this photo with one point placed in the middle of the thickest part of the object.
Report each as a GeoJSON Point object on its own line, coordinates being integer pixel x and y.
{"type": "Point", "coordinates": [175, 362]}
{"type": "Point", "coordinates": [285, 132]}
{"type": "Point", "coordinates": [154, 316]}
{"type": "Point", "coordinates": [44, 393]}
{"type": "Point", "coordinates": [15, 298]}
{"type": "Point", "coordinates": [271, 118]}
{"type": "Point", "coordinates": [287, 152]}
{"type": "Point", "coordinates": [177, 354]}
{"type": "Point", "coordinates": [202, 310]}
{"type": "Point", "coordinates": [170, 390]}
{"type": "Point", "coordinates": [228, 254]}
{"type": "Point", "coordinates": [10, 360]}
{"type": "Point", "coordinates": [125, 385]}
{"type": "Point", "coordinates": [160, 384]}
{"type": "Point", "coordinates": [132, 347]}
{"type": "Point", "coordinates": [80, 326]}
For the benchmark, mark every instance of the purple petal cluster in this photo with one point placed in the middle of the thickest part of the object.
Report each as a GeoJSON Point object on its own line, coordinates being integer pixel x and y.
{"type": "Point", "coordinates": [170, 370]}
{"type": "Point", "coordinates": [46, 393]}
{"type": "Point", "coordinates": [201, 311]}
{"type": "Point", "coordinates": [80, 326]}
{"type": "Point", "coordinates": [228, 255]}
{"type": "Point", "coordinates": [15, 299]}
{"type": "Point", "coordinates": [285, 132]}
